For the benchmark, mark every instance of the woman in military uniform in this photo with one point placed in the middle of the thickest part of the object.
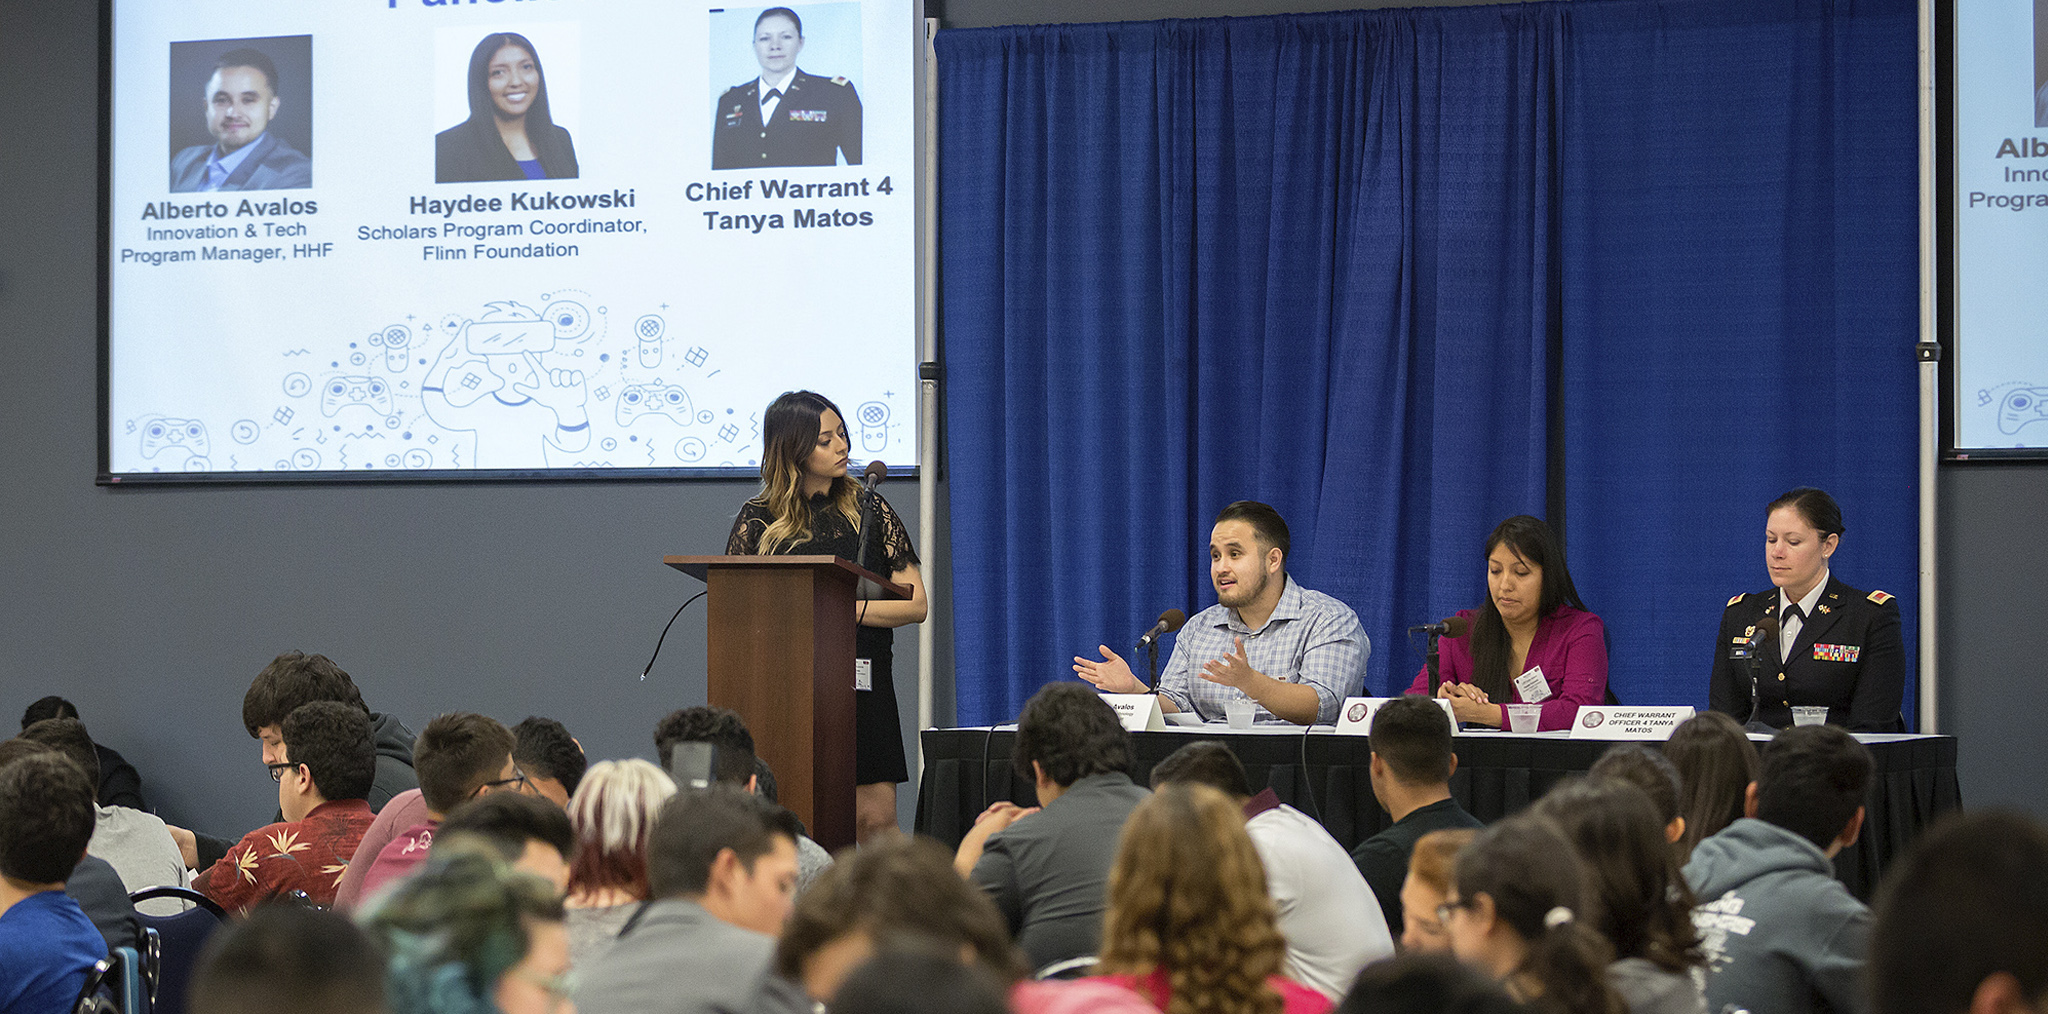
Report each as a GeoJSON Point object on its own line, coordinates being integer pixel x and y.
{"type": "Point", "coordinates": [1837, 646]}
{"type": "Point", "coordinates": [785, 117]}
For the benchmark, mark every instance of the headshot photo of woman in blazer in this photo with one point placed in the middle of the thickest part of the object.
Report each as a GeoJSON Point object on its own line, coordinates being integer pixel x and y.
{"type": "Point", "coordinates": [509, 134]}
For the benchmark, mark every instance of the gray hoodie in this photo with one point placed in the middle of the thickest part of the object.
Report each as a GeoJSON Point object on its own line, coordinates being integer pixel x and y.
{"type": "Point", "coordinates": [394, 759]}
{"type": "Point", "coordinates": [1780, 931]}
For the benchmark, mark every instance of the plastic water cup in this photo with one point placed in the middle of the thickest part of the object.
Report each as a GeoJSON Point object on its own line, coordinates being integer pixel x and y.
{"type": "Point", "coordinates": [1240, 711]}
{"type": "Point", "coordinates": [1809, 715]}
{"type": "Point", "coordinates": [1523, 717]}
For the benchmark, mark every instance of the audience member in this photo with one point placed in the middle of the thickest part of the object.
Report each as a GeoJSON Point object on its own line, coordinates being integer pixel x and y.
{"type": "Point", "coordinates": [289, 957]}
{"type": "Point", "coordinates": [1781, 933]}
{"type": "Point", "coordinates": [721, 864]}
{"type": "Point", "coordinates": [1189, 926]}
{"type": "Point", "coordinates": [551, 758]}
{"type": "Point", "coordinates": [459, 756]}
{"type": "Point", "coordinates": [1411, 769]}
{"type": "Point", "coordinates": [1653, 774]}
{"type": "Point", "coordinates": [1046, 867]}
{"type": "Point", "coordinates": [1326, 912]}
{"type": "Point", "coordinates": [137, 845]}
{"type": "Point", "coordinates": [918, 981]}
{"type": "Point", "coordinates": [528, 833]}
{"type": "Point", "coordinates": [92, 884]}
{"type": "Point", "coordinates": [46, 819]}
{"type": "Point", "coordinates": [468, 935]}
{"type": "Point", "coordinates": [612, 813]}
{"type": "Point", "coordinates": [1425, 984]}
{"type": "Point", "coordinates": [406, 811]}
{"type": "Point", "coordinates": [120, 784]}
{"type": "Point", "coordinates": [1716, 763]}
{"type": "Point", "coordinates": [1644, 908]}
{"type": "Point", "coordinates": [326, 759]}
{"type": "Point", "coordinates": [734, 763]}
{"type": "Point", "coordinates": [1427, 885]}
{"type": "Point", "coordinates": [1961, 918]}
{"type": "Point", "coordinates": [873, 900]}
{"type": "Point", "coordinates": [1517, 896]}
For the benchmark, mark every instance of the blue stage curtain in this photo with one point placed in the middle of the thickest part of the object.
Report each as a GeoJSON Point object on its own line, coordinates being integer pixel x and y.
{"type": "Point", "coordinates": [1362, 266]}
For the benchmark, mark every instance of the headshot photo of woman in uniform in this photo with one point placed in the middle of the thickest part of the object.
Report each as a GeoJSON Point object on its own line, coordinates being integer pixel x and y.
{"type": "Point", "coordinates": [786, 116]}
{"type": "Point", "coordinates": [1836, 647]}
{"type": "Point", "coordinates": [509, 134]}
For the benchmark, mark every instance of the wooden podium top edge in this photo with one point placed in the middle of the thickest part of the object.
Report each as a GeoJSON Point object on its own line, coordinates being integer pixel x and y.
{"type": "Point", "coordinates": [700, 567]}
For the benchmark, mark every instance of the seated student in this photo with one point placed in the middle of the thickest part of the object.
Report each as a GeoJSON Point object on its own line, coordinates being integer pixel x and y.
{"type": "Point", "coordinates": [527, 833]}
{"type": "Point", "coordinates": [137, 845]}
{"type": "Point", "coordinates": [1425, 984]}
{"type": "Point", "coordinates": [1427, 885]}
{"type": "Point", "coordinates": [1411, 769]}
{"type": "Point", "coordinates": [120, 784]}
{"type": "Point", "coordinates": [551, 758]}
{"type": "Point", "coordinates": [467, 934]}
{"type": "Point", "coordinates": [92, 884]}
{"type": "Point", "coordinates": [737, 766]}
{"type": "Point", "coordinates": [46, 819]}
{"type": "Point", "coordinates": [1325, 910]}
{"type": "Point", "coordinates": [326, 761]}
{"type": "Point", "coordinates": [1519, 911]}
{"type": "Point", "coordinates": [1189, 926]}
{"type": "Point", "coordinates": [1047, 867]}
{"type": "Point", "coordinates": [1960, 919]}
{"type": "Point", "coordinates": [459, 756]}
{"type": "Point", "coordinates": [721, 866]}
{"type": "Point", "coordinates": [1782, 934]}
{"type": "Point", "coordinates": [914, 980]}
{"type": "Point", "coordinates": [406, 811]}
{"type": "Point", "coordinates": [612, 814]}
{"type": "Point", "coordinates": [1716, 764]}
{"type": "Point", "coordinates": [1654, 775]}
{"type": "Point", "coordinates": [289, 956]}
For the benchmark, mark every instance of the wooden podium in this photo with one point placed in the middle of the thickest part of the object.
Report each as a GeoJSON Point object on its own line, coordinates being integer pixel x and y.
{"type": "Point", "coordinates": [780, 648]}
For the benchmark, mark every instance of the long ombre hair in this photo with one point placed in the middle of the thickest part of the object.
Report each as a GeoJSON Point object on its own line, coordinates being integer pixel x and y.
{"type": "Point", "coordinates": [789, 432]}
{"type": "Point", "coordinates": [1187, 896]}
{"type": "Point", "coordinates": [1492, 653]}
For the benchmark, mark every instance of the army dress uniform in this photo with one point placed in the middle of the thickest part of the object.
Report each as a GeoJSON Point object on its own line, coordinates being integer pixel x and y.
{"type": "Point", "coordinates": [1848, 656]}
{"type": "Point", "coordinates": [815, 120]}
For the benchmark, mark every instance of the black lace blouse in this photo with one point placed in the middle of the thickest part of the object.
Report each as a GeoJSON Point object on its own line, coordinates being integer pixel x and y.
{"type": "Point", "coordinates": [831, 534]}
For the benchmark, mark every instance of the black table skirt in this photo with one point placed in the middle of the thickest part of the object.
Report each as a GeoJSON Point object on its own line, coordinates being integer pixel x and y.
{"type": "Point", "coordinates": [1326, 776]}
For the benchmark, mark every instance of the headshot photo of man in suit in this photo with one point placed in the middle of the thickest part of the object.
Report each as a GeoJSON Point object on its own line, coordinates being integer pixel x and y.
{"type": "Point", "coordinates": [241, 100]}
{"type": "Point", "coordinates": [785, 117]}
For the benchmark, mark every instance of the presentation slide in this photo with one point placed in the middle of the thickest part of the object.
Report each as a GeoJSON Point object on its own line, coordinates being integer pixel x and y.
{"type": "Point", "coordinates": [2000, 352]}
{"type": "Point", "coordinates": [569, 237]}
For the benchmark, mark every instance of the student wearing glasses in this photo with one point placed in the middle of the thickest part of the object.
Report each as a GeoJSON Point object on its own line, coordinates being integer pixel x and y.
{"type": "Point", "coordinates": [459, 757]}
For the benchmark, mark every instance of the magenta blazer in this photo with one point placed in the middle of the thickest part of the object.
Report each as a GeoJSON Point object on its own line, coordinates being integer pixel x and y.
{"type": "Point", "coordinates": [1570, 646]}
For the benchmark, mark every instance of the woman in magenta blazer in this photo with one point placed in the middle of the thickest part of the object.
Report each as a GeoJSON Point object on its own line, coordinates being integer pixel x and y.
{"type": "Point", "coordinates": [1532, 621]}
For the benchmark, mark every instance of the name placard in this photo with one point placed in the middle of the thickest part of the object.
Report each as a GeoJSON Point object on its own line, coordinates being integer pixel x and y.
{"type": "Point", "coordinates": [1628, 723]}
{"type": "Point", "coordinates": [1355, 717]}
{"type": "Point", "coordinates": [1139, 712]}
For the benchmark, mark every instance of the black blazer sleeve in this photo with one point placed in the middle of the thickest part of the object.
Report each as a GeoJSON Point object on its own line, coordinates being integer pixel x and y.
{"type": "Point", "coordinates": [1881, 687]}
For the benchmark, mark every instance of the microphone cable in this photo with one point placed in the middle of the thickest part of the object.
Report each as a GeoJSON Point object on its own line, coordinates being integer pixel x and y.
{"type": "Point", "coordinates": [664, 632]}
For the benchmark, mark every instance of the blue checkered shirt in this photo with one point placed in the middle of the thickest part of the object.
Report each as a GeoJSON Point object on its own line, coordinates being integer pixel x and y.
{"type": "Point", "coordinates": [1311, 638]}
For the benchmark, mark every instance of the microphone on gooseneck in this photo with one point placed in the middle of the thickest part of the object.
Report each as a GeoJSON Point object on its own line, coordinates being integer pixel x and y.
{"type": "Point", "coordinates": [1169, 621]}
{"type": "Point", "coordinates": [1765, 639]}
{"type": "Point", "coordinates": [1449, 626]}
{"type": "Point", "coordinates": [876, 472]}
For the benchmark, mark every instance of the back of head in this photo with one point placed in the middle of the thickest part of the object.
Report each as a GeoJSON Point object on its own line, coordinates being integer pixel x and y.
{"type": "Point", "coordinates": [1538, 886]}
{"type": "Point", "coordinates": [453, 928]}
{"type": "Point", "coordinates": [292, 679]}
{"type": "Point", "coordinates": [694, 827]}
{"type": "Point", "coordinates": [1643, 905]}
{"type": "Point", "coordinates": [1813, 779]}
{"type": "Point", "coordinates": [334, 742]}
{"type": "Point", "coordinates": [1072, 734]}
{"type": "Point", "coordinates": [1412, 736]}
{"type": "Point", "coordinates": [507, 821]}
{"type": "Point", "coordinates": [543, 748]}
{"type": "Point", "coordinates": [1650, 772]}
{"type": "Point", "coordinates": [1968, 901]}
{"type": "Point", "coordinates": [1205, 763]}
{"type": "Point", "coordinates": [613, 814]}
{"type": "Point", "coordinates": [46, 815]}
{"type": "Point", "coordinates": [895, 889]}
{"type": "Point", "coordinates": [1187, 895]}
{"type": "Point", "coordinates": [68, 735]}
{"type": "Point", "coordinates": [722, 728]}
{"type": "Point", "coordinates": [286, 956]}
{"type": "Point", "coordinates": [1424, 984]}
{"type": "Point", "coordinates": [1715, 762]}
{"type": "Point", "coordinates": [1436, 855]}
{"type": "Point", "coordinates": [52, 706]}
{"type": "Point", "coordinates": [1267, 525]}
{"type": "Point", "coordinates": [919, 981]}
{"type": "Point", "coordinates": [456, 754]}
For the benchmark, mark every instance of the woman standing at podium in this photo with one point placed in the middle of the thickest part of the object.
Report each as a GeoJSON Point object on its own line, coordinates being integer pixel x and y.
{"type": "Point", "coordinates": [809, 506]}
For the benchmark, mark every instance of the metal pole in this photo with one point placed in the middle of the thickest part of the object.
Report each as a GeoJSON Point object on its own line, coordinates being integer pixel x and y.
{"type": "Point", "coordinates": [928, 390]}
{"type": "Point", "coordinates": [1929, 355]}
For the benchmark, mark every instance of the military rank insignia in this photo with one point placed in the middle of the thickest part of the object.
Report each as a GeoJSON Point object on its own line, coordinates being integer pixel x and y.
{"type": "Point", "coordinates": [1836, 652]}
{"type": "Point", "coordinates": [1881, 597]}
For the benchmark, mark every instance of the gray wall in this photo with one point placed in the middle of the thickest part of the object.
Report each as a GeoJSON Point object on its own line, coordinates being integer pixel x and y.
{"type": "Point", "coordinates": [1993, 626]}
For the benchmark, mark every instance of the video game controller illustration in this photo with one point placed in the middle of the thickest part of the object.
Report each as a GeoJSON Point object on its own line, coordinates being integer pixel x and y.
{"type": "Point", "coordinates": [188, 435]}
{"type": "Point", "coordinates": [657, 398]}
{"type": "Point", "coordinates": [874, 426]}
{"type": "Point", "coordinates": [345, 392]}
{"type": "Point", "coordinates": [2022, 406]}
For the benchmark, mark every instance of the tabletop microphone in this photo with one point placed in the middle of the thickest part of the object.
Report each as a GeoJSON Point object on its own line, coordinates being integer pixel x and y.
{"type": "Point", "coordinates": [1766, 634]}
{"type": "Point", "coordinates": [1451, 626]}
{"type": "Point", "coordinates": [876, 472]}
{"type": "Point", "coordinates": [1169, 621]}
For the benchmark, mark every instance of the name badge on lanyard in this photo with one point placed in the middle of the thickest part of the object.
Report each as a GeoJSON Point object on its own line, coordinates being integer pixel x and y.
{"type": "Point", "coordinates": [1532, 686]}
{"type": "Point", "coordinates": [863, 674]}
